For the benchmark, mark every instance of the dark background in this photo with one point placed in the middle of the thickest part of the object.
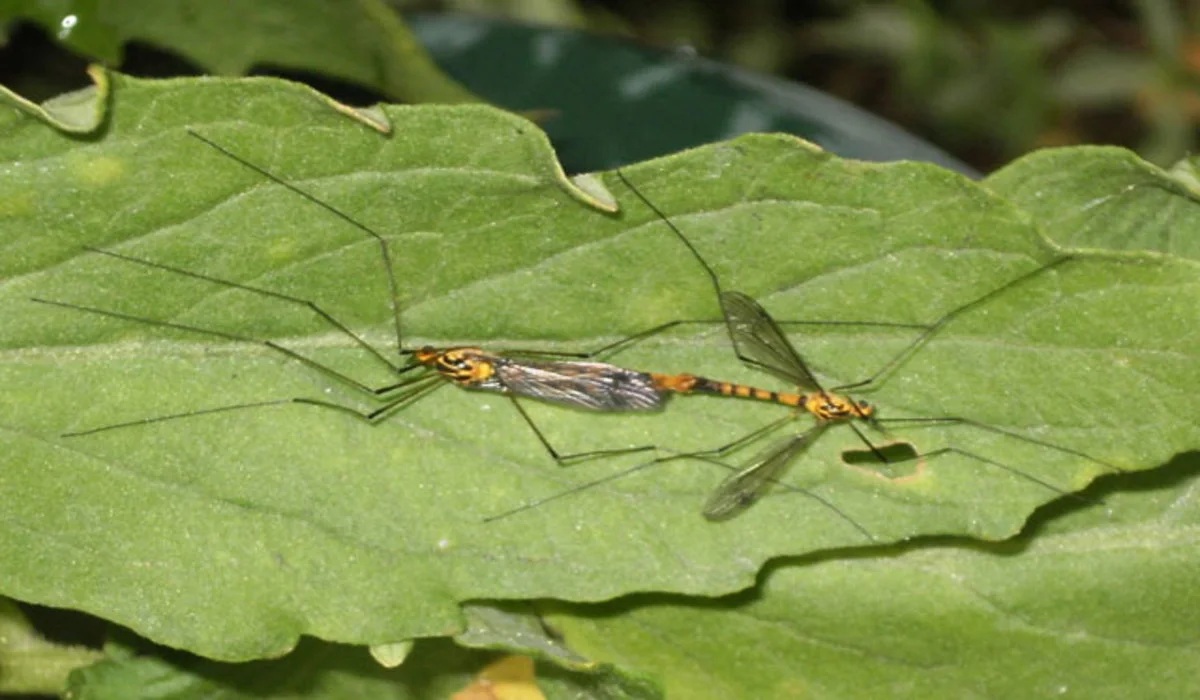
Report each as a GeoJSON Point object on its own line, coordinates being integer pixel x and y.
{"type": "Point", "coordinates": [985, 81]}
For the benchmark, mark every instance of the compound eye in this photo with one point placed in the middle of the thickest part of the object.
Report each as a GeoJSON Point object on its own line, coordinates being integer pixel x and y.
{"type": "Point", "coordinates": [454, 363]}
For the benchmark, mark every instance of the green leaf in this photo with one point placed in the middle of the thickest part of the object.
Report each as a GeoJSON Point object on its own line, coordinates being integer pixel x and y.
{"type": "Point", "coordinates": [314, 669]}
{"type": "Point", "coordinates": [31, 664]}
{"type": "Point", "coordinates": [363, 41]}
{"type": "Point", "coordinates": [1104, 197]}
{"type": "Point", "coordinates": [232, 534]}
{"type": "Point", "coordinates": [1187, 173]}
{"type": "Point", "coordinates": [516, 628]}
{"type": "Point", "coordinates": [1096, 603]}
{"type": "Point", "coordinates": [435, 668]}
{"type": "Point", "coordinates": [79, 112]}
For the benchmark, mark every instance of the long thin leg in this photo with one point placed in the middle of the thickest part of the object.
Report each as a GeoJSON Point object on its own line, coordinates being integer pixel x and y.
{"type": "Point", "coordinates": [394, 298]}
{"type": "Point", "coordinates": [933, 328]}
{"type": "Point", "coordinates": [414, 394]}
{"type": "Point", "coordinates": [618, 346]}
{"type": "Point", "coordinates": [341, 377]}
{"type": "Point", "coordinates": [384, 252]}
{"type": "Point", "coordinates": [702, 455]}
{"type": "Point", "coordinates": [575, 457]}
{"type": "Point", "coordinates": [709, 456]}
{"type": "Point", "coordinates": [420, 389]}
{"type": "Point", "coordinates": [307, 303]}
{"type": "Point", "coordinates": [393, 287]}
{"type": "Point", "coordinates": [607, 349]}
{"type": "Point", "coordinates": [870, 445]}
{"type": "Point", "coordinates": [421, 382]}
{"type": "Point", "coordinates": [1000, 465]}
{"type": "Point", "coordinates": [712, 274]}
{"type": "Point", "coordinates": [722, 296]}
{"type": "Point", "coordinates": [956, 420]}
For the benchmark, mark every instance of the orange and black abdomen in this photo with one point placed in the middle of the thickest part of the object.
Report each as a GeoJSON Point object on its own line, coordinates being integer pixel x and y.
{"type": "Point", "coordinates": [691, 384]}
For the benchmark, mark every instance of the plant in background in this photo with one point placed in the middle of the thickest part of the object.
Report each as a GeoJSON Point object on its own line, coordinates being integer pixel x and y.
{"type": "Point", "coordinates": [300, 553]}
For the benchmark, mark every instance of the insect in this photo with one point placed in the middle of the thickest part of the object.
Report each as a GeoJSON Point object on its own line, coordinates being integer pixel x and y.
{"type": "Point", "coordinates": [574, 380]}
{"type": "Point", "coordinates": [579, 384]}
{"type": "Point", "coordinates": [760, 343]}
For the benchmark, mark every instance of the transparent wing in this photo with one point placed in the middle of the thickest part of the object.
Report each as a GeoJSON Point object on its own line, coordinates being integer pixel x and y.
{"type": "Point", "coordinates": [743, 488]}
{"type": "Point", "coordinates": [760, 342]}
{"type": "Point", "coordinates": [590, 385]}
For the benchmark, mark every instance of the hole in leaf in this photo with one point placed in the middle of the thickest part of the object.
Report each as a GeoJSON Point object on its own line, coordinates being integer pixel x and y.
{"type": "Point", "coordinates": [899, 459]}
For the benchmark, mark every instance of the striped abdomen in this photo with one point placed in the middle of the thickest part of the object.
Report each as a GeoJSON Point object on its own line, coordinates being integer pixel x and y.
{"type": "Point", "coordinates": [691, 384]}
{"type": "Point", "coordinates": [825, 406]}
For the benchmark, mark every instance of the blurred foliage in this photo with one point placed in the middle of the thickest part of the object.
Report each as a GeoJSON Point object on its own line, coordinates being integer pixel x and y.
{"type": "Point", "coordinates": [988, 81]}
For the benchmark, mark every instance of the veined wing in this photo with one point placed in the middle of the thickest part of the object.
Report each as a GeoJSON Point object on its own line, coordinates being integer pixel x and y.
{"type": "Point", "coordinates": [761, 343]}
{"type": "Point", "coordinates": [594, 386]}
{"type": "Point", "coordinates": [744, 487]}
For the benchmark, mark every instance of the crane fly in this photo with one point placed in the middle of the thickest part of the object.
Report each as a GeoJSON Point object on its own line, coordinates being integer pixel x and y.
{"type": "Point", "coordinates": [579, 384]}
{"type": "Point", "coordinates": [759, 342]}
{"type": "Point", "coordinates": [572, 379]}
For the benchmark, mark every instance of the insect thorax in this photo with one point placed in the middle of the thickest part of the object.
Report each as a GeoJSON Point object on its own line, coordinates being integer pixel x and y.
{"type": "Point", "coordinates": [835, 407]}
{"type": "Point", "coordinates": [466, 366]}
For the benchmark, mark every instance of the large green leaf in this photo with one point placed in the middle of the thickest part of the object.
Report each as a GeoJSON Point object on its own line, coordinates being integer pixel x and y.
{"type": "Point", "coordinates": [1096, 603]}
{"type": "Point", "coordinates": [231, 534]}
{"type": "Point", "coordinates": [1104, 197]}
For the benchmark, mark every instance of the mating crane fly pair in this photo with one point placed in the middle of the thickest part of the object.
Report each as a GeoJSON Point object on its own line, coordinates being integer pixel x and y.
{"type": "Point", "coordinates": [576, 380]}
